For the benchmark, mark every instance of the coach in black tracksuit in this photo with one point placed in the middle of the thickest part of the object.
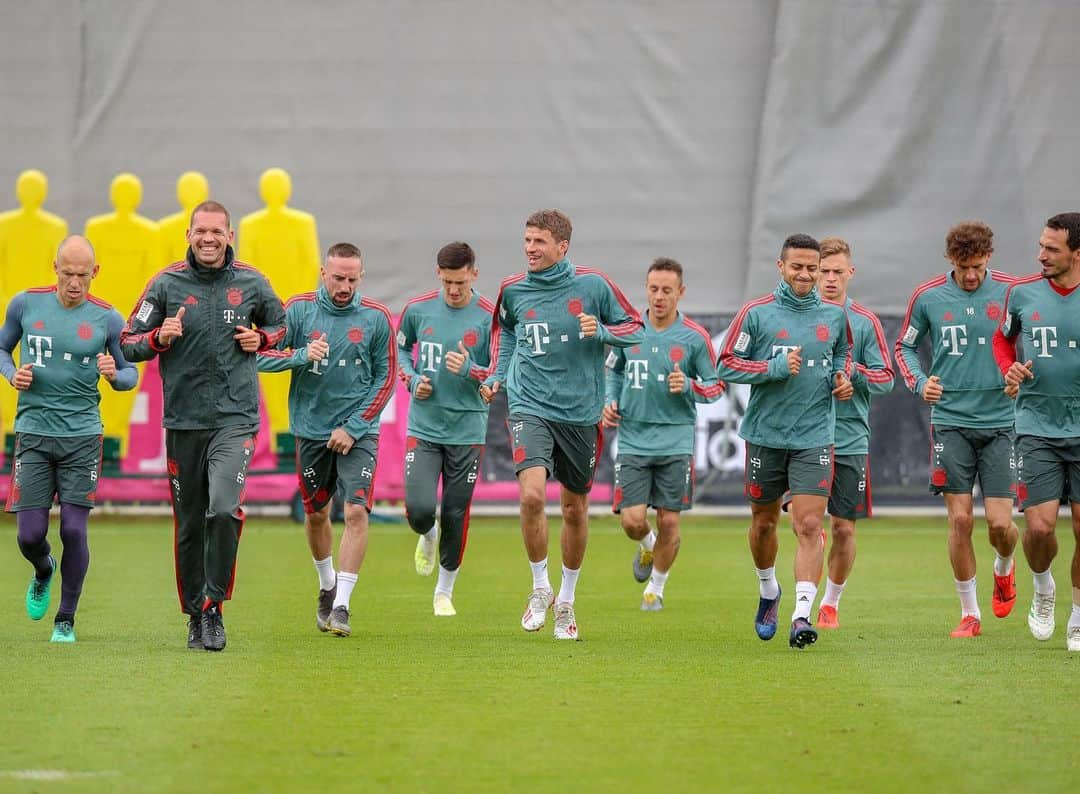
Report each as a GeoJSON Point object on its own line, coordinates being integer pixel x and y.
{"type": "Point", "coordinates": [197, 316]}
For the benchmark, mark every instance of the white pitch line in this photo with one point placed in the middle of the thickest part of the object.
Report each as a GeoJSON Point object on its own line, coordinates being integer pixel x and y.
{"type": "Point", "coordinates": [51, 775]}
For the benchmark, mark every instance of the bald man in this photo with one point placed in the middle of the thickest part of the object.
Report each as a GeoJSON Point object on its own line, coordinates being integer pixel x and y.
{"type": "Point", "coordinates": [67, 340]}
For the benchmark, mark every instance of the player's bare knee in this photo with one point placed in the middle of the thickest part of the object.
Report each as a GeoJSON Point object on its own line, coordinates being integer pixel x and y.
{"type": "Point", "coordinates": [575, 513]}
{"type": "Point", "coordinates": [667, 526]}
{"type": "Point", "coordinates": [998, 530]}
{"type": "Point", "coordinates": [532, 501]}
{"type": "Point", "coordinates": [635, 526]}
{"type": "Point", "coordinates": [842, 531]}
{"type": "Point", "coordinates": [763, 524]}
{"type": "Point", "coordinates": [808, 527]}
{"type": "Point", "coordinates": [962, 524]}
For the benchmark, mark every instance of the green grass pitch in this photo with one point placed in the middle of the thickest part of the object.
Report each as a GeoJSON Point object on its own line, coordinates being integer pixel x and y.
{"type": "Point", "coordinates": [687, 699]}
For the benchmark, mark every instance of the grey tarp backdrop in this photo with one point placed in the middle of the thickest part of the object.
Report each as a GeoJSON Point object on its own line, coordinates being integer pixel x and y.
{"type": "Point", "coordinates": [702, 130]}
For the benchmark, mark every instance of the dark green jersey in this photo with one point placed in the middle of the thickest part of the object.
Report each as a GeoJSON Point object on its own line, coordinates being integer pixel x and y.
{"type": "Point", "coordinates": [871, 374]}
{"type": "Point", "coordinates": [63, 345]}
{"type": "Point", "coordinates": [549, 367]}
{"type": "Point", "coordinates": [351, 386]}
{"type": "Point", "coordinates": [959, 326]}
{"type": "Point", "coordinates": [428, 328]}
{"type": "Point", "coordinates": [207, 380]}
{"type": "Point", "coordinates": [653, 420]}
{"type": "Point", "coordinates": [787, 411]}
{"type": "Point", "coordinates": [1048, 324]}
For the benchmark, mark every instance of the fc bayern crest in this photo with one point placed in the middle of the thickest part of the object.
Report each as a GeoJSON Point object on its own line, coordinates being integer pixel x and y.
{"type": "Point", "coordinates": [822, 333]}
{"type": "Point", "coordinates": [234, 296]}
{"type": "Point", "coordinates": [993, 310]}
{"type": "Point", "coordinates": [85, 330]}
{"type": "Point", "coordinates": [470, 338]}
{"type": "Point", "coordinates": [676, 353]}
{"type": "Point", "coordinates": [356, 335]}
{"type": "Point", "coordinates": [575, 306]}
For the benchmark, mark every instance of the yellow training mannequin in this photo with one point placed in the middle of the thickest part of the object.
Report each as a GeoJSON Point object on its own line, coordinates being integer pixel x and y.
{"type": "Point", "coordinates": [284, 244]}
{"type": "Point", "coordinates": [192, 189]}
{"type": "Point", "coordinates": [29, 237]}
{"type": "Point", "coordinates": [128, 249]}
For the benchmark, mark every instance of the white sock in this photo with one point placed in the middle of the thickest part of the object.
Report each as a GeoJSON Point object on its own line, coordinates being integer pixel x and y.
{"type": "Point", "coordinates": [326, 572]}
{"type": "Point", "coordinates": [649, 541]}
{"type": "Point", "coordinates": [768, 587]}
{"type": "Point", "coordinates": [445, 585]}
{"type": "Point", "coordinates": [833, 591]}
{"type": "Point", "coordinates": [345, 584]}
{"type": "Point", "coordinates": [1074, 616]}
{"type": "Point", "coordinates": [569, 584]}
{"type": "Point", "coordinates": [1002, 565]}
{"type": "Point", "coordinates": [540, 575]}
{"type": "Point", "coordinates": [432, 533]}
{"type": "Point", "coordinates": [805, 593]}
{"type": "Point", "coordinates": [656, 583]}
{"type": "Point", "coordinates": [1044, 582]}
{"type": "Point", "coordinates": [969, 604]}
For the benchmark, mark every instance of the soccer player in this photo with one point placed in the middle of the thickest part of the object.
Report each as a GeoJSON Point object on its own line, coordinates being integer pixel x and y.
{"type": "Point", "coordinates": [871, 374]}
{"type": "Point", "coordinates": [971, 418]}
{"type": "Point", "coordinates": [1043, 310]}
{"type": "Point", "coordinates": [449, 330]}
{"type": "Point", "coordinates": [794, 350]}
{"type": "Point", "coordinates": [550, 328]}
{"type": "Point", "coordinates": [651, 391]}
{"type": "Point", "coordinates": [197, 317]}
{"type": "Point", "coordinates": [339, 348]}
{"type": "Point", "coordinates": [67, 339]}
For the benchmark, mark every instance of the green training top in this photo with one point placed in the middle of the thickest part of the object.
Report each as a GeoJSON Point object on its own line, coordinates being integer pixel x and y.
{"type": "Point", "coordinates": [654, 421]}
{"type": "Point", "coordinates": [550, 369]}
{"type": "Point", "coordinates": [785, 411]}
{"type": "Point", "coordinates": [428, 329]}
{"type": "Point", "coordinates": [63, 345]}
{"type": "Point", "coordinates": [351, 386]}
{"type": "Point", "coordinates": [871, 374]}
{"type": "Point", "coordinates": [1048, 324]}
{"type": "Point", "coordinates": [960, 326]}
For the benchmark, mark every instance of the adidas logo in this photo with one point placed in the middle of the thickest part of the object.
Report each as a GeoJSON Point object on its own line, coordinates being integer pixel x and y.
{"type": "Point", "coordinates": [803, 598]}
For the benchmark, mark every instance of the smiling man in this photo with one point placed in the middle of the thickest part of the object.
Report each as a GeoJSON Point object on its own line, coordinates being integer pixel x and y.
{"type": "Point", "coordinates": [551, 325]}
{"type": "Point", "coordinates": [340, 351]}
{"type": "Point", "coordinates": [652, 390]}
{"type": "Point", "coordinates": [971, 417]}
{"type": "Point", "coordinates": [205, 318]}
{"type": "Point", "coordinates": [444, 340]}
{"type": "Point", "coordinates": [69, 340]}
{"type": "Point", "coordinates": [794, 350]}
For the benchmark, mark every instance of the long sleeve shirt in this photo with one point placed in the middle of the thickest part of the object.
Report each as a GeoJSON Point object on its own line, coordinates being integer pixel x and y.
{"type": "Point", "coordinates": [1046, 320]}
{"type": "Point", "coordinates": [871, 374]}
{"type": "Point", "coordinates": [959, 326]}
{"type": "Point", "coordinates": [787, 411]}
{"type": "Point", "coordinates": [653, 420]}
{"type": "Point", "coordinates": [62, 344]}
{"type": "Point", "coordinates": [428, 329]}
{"type": "Point", "coordinates": [351, 386]}
{"type": "Point", "coordinates": [550, 368]}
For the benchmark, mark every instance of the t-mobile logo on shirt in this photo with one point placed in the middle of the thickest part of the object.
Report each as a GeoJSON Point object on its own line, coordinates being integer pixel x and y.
{"type": "Point", "coordinates": [430, 356]}
{"type": "Point", "coordinates": [536, 334]}
{"type": "Point", "coordinates": [954, 337]}
{"type": "Point", "coordinates": [637, 372]}
{"type": "Point", "coordinates": [1044, 337]}
{"type": "Point", "coordinates": [40, 347]}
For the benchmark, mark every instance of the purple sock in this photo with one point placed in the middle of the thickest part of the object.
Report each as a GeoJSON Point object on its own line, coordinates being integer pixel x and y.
{"type": "Point", "coordinates": [33, 525]}
{"type": "Point", "coordinates": [75, 560]}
